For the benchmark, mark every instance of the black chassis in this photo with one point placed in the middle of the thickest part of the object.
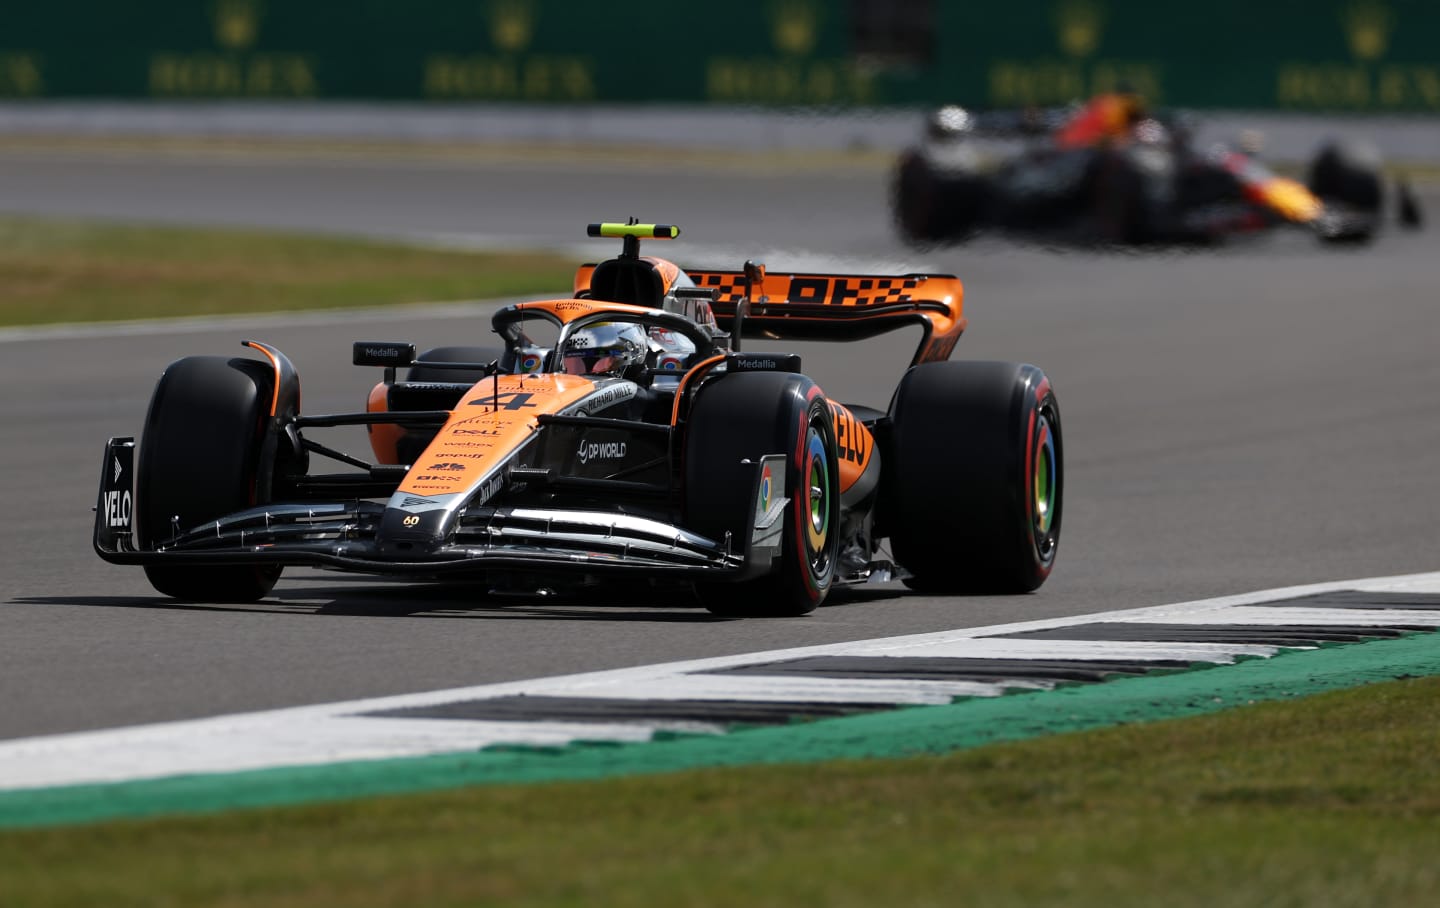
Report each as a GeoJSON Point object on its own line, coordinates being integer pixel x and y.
{"type": "Point", "coordinates": [1005, 175]}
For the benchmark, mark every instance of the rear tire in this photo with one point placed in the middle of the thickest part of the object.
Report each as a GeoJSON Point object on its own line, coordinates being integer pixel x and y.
{"type": "Point", "coordinates": [748, 416]}
{"type": "Point", "coordinates": [974, 501]}
{"type": "Point", "coordinates": [1119, 202]}
{"type": "Point", "coordinates": [199, 460]}
{"type": "Point", "coordinates": [913, 201]}
{"type": "Point", "coordinates": [931, 207]}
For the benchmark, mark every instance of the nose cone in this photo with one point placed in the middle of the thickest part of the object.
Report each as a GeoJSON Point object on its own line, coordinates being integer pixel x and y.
{"type": "Point", "coordinates": [1291, 200]}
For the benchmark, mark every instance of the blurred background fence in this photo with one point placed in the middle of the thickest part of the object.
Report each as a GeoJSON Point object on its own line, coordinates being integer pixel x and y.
{"type": "Point", "coordinates": [1315, 56]}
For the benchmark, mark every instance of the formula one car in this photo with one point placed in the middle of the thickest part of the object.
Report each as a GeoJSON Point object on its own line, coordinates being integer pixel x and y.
{"type": "Point", "coordinates": [619, 432]}
{"type": "Point", "coordinates": [1146, 182]}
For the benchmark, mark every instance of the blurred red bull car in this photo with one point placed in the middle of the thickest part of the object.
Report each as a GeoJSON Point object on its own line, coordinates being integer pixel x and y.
{"type": "Point", "coordinates": [1112, 172]}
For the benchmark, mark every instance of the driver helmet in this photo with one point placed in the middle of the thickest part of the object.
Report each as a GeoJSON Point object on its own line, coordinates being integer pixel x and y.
{"type": "Point", "coordinates": [607, 348]}
{"type": "Point", "coordinates": [948, 121]}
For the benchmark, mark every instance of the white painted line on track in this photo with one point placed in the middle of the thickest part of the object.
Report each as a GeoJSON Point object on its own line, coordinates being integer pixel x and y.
{"type": "Point", "coordinates": [1291, 615]}
{"type": "Point", "coordinates": [160, 327]}
{"type": "Point", "coordinates": [764, 689]}
{"type": "Point", "coordinates": [349, 731]}
{"type": "Point", "coordinates": [1130, 650]}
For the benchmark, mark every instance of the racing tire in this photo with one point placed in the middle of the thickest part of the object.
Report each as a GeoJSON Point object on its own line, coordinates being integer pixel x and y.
{"type": "Point", "coordinates": [975, 476]}
{"type": "Point", "coordinates": [745, 417]}
{"type": "Point", "coordinates": [1119, 201]}
{"type": "Point", "coordinates": [930, 207]}
{"type": "Point", "coordinates": [1350, 173]}
{"type": "Point", "coordinates": [913, 201]}
{"type": "Point", "coordinates": [199, 459]}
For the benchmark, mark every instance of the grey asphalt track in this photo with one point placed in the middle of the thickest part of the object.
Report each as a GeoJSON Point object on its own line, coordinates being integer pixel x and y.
{"type": "Point", "coordinates": [1250, 417]}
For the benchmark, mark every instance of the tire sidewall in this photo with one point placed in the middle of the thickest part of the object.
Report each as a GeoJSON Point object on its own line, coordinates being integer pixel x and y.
{"type": "Point", "coordinates": [965, 442]}
{"type": "Point", "coordinates": [747, 416]}
{"type": "Point", "coordinates": [199, 459]}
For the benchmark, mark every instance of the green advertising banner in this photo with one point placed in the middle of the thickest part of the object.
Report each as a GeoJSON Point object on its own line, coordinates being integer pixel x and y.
{"type": "Point", "coordinates": [1304, 55]}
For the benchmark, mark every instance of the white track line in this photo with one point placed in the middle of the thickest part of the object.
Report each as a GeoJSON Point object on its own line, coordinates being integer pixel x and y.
{"type": "Point", "coordinates": [336, 732]}
{"type": "Point", "coordinates": [161, 327]}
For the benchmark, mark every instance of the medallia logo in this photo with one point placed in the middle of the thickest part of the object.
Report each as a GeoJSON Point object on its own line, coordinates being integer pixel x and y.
{"type": "Point", "coordinates": [600, 450]}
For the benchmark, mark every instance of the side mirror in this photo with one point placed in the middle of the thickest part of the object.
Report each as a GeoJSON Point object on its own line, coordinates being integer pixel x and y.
{"type": "Point", "coordinates": [389, 354]}
{"type": "Point", "coordinates": [754, 277]}
{"type": "Point", "coordinates": [383, 353]}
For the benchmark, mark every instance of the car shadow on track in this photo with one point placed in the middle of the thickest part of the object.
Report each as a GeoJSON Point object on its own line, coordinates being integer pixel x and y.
{"type": "Point", "coordinates": [418, 601]}
{"type": "Point", "coordinates": [321, 597]}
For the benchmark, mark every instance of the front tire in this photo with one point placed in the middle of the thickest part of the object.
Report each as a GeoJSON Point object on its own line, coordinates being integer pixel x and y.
{"type": "Point", "coordinates": [1349, 174]}
{"type": "Point", "coordinates": [745, 417]}
{"type": "Point", "coordinates": [199, 459]}
{"type": "Point", "coordinates": [975, 491]}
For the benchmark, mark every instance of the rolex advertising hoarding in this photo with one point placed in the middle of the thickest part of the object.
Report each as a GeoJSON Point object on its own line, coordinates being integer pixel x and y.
{"type": "Point", "coordinates": [1305, 55]}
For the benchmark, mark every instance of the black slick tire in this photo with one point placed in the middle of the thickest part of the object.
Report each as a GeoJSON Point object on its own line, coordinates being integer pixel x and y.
{"type": "Point", "coordinates": [1349, 174]}
{"type": "Point", "coordinates": [199, 460]}
{"type": "Point", "coordinates": [975, 476]}
{"type": "Point", "coordinates": [913, 201]}
{"type": "Point", "coordinates": [748, 416]}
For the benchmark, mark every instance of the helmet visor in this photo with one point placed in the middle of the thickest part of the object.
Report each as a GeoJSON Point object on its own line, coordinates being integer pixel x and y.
{"type": "Point", "coordinates": [591, 362]}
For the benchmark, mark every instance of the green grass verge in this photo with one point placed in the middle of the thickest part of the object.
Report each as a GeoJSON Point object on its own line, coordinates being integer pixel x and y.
{"type": "Point", "coordinates": [1327, 800]}
{"type": "Point", "coordinates": [62, 271]}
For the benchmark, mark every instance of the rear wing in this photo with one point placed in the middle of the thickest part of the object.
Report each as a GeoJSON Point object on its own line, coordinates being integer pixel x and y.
{"type": "Point", "coordinates": [843, 307]}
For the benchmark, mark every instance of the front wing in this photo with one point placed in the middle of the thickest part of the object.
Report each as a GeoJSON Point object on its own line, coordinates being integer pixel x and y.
{"type": "Point", "coordinates": [345, 535]}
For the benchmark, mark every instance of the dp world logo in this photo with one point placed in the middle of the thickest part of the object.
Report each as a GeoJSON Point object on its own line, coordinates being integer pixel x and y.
{"type": "Point", "coordinates": [592, 451]}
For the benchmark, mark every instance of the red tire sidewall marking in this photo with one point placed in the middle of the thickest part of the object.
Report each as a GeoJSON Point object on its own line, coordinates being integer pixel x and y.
{"type": "Point", "coordinates": [802, 459]}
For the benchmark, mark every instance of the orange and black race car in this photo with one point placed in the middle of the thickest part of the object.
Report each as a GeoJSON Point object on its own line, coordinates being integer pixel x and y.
{"type": "Point", "coordinates": [1112, 172]}
{"type": "Point", "coordinates": [617, 432]}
